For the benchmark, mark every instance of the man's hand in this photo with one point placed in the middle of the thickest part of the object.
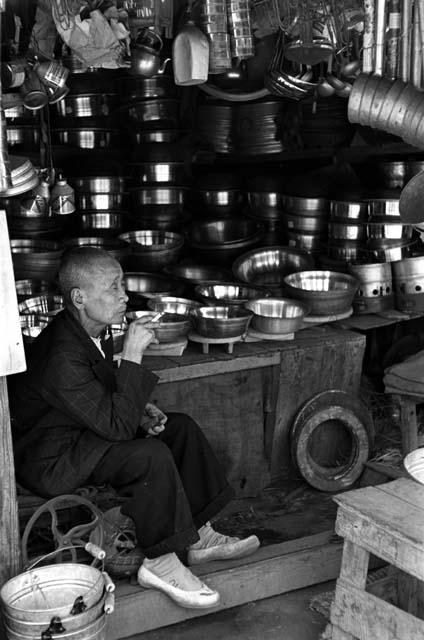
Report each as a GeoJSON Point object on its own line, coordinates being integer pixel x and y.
{"type": "Point", "coordinates": [154, 419]}
{"type": "Point", "coordinates": [137, 338]}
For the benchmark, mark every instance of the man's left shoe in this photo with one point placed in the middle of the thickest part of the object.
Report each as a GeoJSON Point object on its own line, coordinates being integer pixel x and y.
{"type": "Point", "coordinates": [215, 546]}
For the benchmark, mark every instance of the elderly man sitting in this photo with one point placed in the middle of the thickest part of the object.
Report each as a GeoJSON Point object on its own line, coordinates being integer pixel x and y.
{"type": "Point", "coordinates": [77, 420]}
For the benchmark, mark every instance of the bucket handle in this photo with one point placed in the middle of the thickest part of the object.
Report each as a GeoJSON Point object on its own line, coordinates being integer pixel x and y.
{"type": "Point", "coordinates": [55, 627]}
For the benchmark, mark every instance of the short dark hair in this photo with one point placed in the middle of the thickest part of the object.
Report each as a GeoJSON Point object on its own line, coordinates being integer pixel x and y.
{"type": "Point", "coordinates": [75, 267]}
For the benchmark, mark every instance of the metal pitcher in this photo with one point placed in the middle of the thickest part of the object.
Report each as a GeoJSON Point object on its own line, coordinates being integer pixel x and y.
{"type": "Point", "coordinates": [145, 55]}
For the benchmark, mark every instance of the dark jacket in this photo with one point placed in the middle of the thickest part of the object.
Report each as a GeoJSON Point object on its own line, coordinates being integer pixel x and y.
{"type": "Point", "coordinates": [70, 406]}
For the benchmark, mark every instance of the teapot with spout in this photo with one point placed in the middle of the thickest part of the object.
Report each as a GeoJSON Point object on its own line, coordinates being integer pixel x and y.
{"type": "Point", "coordinates": [145, 55]}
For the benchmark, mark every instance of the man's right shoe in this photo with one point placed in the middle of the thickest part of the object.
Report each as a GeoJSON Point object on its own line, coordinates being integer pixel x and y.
{"type": "Point", "coordinates": [177, 582]}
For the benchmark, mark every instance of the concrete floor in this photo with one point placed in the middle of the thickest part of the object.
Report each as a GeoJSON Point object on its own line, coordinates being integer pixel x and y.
{"type": "Point", "coordinates": [284, 617]}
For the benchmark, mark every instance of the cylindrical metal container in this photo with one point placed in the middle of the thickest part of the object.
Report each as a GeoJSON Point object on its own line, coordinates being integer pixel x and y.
{"type": "Point", "coordinates": [348, 210]}
{"type": "Point", "coordinates": [375, 292]}
{"type": "Point", "coordinates": [408, 283]}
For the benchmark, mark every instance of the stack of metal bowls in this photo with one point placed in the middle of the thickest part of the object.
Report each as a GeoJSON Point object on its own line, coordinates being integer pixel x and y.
{"type": "Point", "coordinates": [388, 239]}
{"type": "Point", "coordinates": [221, 240]}
{"type": "Point", "coordinates": [215, 126]}
{"type": "Point", "coordinates": [347, 230]}
{"type": "Point", "coordinates": [142, 286]}
{"type": "Point", "coordinates": [326, 293]}
{"type": "Point", "coordinates": [240, 28]}
{"type": "Point", "coordinates": [149, 108]}
{"type": "Point", "coordinates": [22, 131]}
{"type": "Point", "coordinates": [324, 122]}
{"type": "Point", "coordinates": [375, 291]}
{"type": "Point", "coordinates": [117, 248]}
{"type": "Point", "coordinates": [268, 266]}
{"type": "Point", "coordinates": [305, 220]}
{"type": "Point", "coordinates": [257, 129]}
{"type": "Point", "coordinates": [277, 316]}
{"type": "Point", "coordinates": [408, 283]}
{"type": "Point", "coordinates": [31, 223]}
{"type": "Point", "coordinates": [217, 194]}
{"type": "Point", "coordinates": [392, 106]}
{"type": "Point", "coordinates": [222, 321]}
{"type": "Point", "coordinates": [35, 259]}
{"type": "Point", "coordinates": [100, 202]}
{"type": "Point", "coordinates": [157, 187]}
{"type": "Point", "coordinates": [151, 250]}
{"type": "Point", "coordinates": [228, 293]}
{"type": "Point", "coordinates": [213, 22]}
{"type": "Point", "coordinates": [83, 119]}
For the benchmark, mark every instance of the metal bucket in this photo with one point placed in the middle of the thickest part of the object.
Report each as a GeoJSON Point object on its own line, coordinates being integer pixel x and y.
{"type": "Point", "coordinates": [55, 631]}
{"type": "Point", "coordinates": [408, 280]}
{"type": "Point", "coordinates": [41, 593]}
{"type": "Point", "coordinates": [375, 292]}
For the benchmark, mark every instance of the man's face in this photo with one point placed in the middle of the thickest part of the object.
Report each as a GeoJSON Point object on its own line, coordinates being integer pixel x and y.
{"type": "Point", "coordinates": [104, 296]}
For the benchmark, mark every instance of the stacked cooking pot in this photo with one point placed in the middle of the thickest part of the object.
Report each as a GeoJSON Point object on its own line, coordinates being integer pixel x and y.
{"type": "Point", "coordinates": [408, 283]}
{"type": "Point", "coordinates": [305, 220]}
{"type": "Point", "coordinates": [148, 108]}
{"type": "Point", "coordinates": [83, 119]}
{"type": "Point", "coordinates": [346, 230]}
{"type": "Point", "coordinates": [216, 194]}
{"type": "Point", "coordinates": [266, 203]}
{"type": "Point", "coordinates": [23, 133]}
{"type": "Point", "coordinates": [157, 187]}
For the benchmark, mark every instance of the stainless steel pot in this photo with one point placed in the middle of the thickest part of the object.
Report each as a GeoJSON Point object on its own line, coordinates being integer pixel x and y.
{"type": "Point", "coordinates": [98, 184]}
{"type": "Point", "coordinates": [299, 205]}
{"type": "Point", "coordinates": [380, 207]}
{"type": "Point", "coordinates": [158, 196]}
{"type": "Point", "coordinates": [139, 113]}
{"type": "Point", "coordinates": [375, 292]}
{"type": "Point", "coordinates": [408, 280]}
{"type": "Point", "coordinates": [347, 251]}
{"type": "Point", "coordinates": [348, 210]}
{"type": "Point", "coordinates": [391, 252]}
{"type": "Point", "coordinates": [86, 105]}
{"type": "Point", "coordinates": [154, 135]}
{"type": "Point", "coordinates": [277, 315]}
{"type": "Point", "coordinates": [103, 222]}
{"type": "Point", "coordinates": [85, 138]}
{"type": "Point", "coordinates": [99, 201]}
{"type": "Point", "coordinates": [306, 241]}
{"type": "Point", "coordinates": [389, 231]}
{"type": "Point", "coordinates": [156, 172]}
{"type": "Point", "coordinates": [135, 88]}
{"type": "Point", "coordinates": [25, 135]}
{"type": "Point", "coordinates": [325, 292]}
{"type": "Point", "coordinates": [392, 173]}
{"type": "Point", "coordinates": [304, 224]}
{"type": "Point", "coordinates": [346, 231]}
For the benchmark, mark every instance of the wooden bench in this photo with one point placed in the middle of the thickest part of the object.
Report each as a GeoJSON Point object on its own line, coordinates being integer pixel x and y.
{"type": "Point", "coordinates": [387, 521]}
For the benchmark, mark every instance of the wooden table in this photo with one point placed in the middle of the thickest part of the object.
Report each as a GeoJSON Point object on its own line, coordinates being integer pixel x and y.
{"type": "Point", "coordinates": [388, 522]}
{"type": "Point", "coordinates": [246, 401]}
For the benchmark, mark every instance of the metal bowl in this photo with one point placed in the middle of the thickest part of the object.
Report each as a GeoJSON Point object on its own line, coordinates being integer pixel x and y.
{"type": "Point", "coordinates": [347, 251]}
{"type": "Point", "coordinates": [115, 247]}
{"type": "Point", "coordinates": [390, 250]}
{"type": "Point", "coordinates": [348, 210]}
{"type": "Point", "coordinates": [168, 328]}
{"type": "Point", "coordinates": [414, 464]}
{"type": "Point", "coordinates": [34, 320]}
{"type": "Point", "coordinates": [158, 196]}
{"type": "Point", "coordinates": [222, 322]}
{"type": "Point", "coordinates": [277, 315]}
{"type": "Point", "coordinates": [228, 293]}
{"type": "Point", "coordinates": [325, 292]}
{"type": "Point", "coordinates": [32, 288]}
{"type": "Point", "coordinates": [99, 201]}
{"type": "Point", "coordinates": [268, 266]}
{"type": "Point", "coordinates": [46, 305]}
{"type": "Point", "coordinates": [98, 184]}
{"type": "Point", "coordinates": [86, 105]}
{"type": "Point", "coordinates": [87, 138]}
{"type": "Point", "coordinates": [218, 201]}
{"type": "Point", "coordinates": [223, 231]}
{"type": "Point", "coordinates": [311, 242]}
{"type": "Point", "coordinates": [165, 110]}
{"type": "Point", "coordinates": [151, 249]}
{"type": "Point", "coordinates": [141, 286]}
{"type": "Point", "coordinates": [30, 333]}
{"type": "Point", "coordinates": [173, 305]}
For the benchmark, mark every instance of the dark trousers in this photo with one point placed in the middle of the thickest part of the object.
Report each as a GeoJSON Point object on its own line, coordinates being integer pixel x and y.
{"type": "Point", "coordinates": [173, 481]}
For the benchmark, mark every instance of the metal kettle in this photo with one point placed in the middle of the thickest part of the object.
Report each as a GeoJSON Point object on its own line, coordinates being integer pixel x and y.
{"type": "Point", "coordinates": [145, 55]}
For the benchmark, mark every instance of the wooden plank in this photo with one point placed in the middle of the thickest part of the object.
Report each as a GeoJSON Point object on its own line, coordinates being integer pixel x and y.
{"type": "Point", "coordinates": [362, 614]}
{"type": "Point", "coordinates": [303, 374]}
{"type": "Point", "coordinates": [388, 545]}
{"type": "Point", "coordinates": [387, 470]}
{"type": "Point", "coordinates": [354, 567]}
{"type": "Point", "coordinates": [408, 422]}
{"type": "Point", "coordinates": [260, 578]}
{"type": "Point", "coordinates": [230, 408]}
{"type": "Point", "coordinates": [407, 490]}
{"type": "Point", "coordinates": [10, 554]}
{"type": "Point", "coordinates": [12, 356]}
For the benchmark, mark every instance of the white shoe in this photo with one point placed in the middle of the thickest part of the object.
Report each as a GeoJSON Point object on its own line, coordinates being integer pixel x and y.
{"type": "Point", "coordinates": [215, 546]}
{"type": "Point", "coordinates": [169, 575]}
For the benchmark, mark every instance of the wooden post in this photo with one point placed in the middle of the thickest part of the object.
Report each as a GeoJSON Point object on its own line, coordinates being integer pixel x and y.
{"type": "Point", "coordinates": [12, 360]}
